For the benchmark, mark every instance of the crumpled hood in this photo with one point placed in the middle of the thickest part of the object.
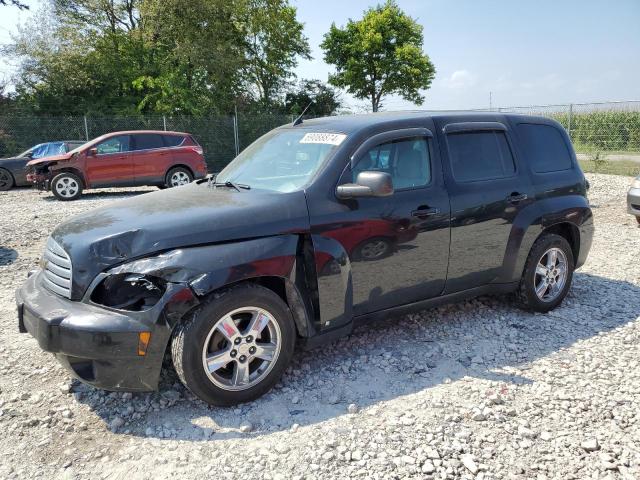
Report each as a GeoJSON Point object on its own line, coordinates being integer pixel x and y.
{"type": "Point", "coordinates": [179, 217]}
{"type": "Point", "coordinates": [52, 158]}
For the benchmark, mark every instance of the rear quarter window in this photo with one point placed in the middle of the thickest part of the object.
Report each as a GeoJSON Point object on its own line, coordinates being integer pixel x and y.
{"type": "Point", "coordinates": [173, 140]}
{"type": "Point", "coordinates": [544, 147]}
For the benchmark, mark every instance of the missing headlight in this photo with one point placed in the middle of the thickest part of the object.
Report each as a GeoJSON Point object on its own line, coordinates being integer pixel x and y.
{"type": "Point", "coordinates": [129, 291]}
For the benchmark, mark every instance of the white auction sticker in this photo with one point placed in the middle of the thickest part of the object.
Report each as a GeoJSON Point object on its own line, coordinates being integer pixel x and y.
{"type": "Point", "coordinates": [326, 138]}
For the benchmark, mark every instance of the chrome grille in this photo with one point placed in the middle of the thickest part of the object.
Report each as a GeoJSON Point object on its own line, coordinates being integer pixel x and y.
{"type": "Point", "coordinates": [57, 269]}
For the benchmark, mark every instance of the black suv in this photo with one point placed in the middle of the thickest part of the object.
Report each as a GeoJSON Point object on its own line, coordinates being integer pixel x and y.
{"type": "Point", "coordinates": [311, 230]}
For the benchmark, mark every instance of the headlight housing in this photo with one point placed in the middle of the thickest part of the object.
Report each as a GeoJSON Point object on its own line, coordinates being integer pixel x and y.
{"type": "Point", "coordinates": [129, 291]}
{"type": "Point", "coordinates": [636, 183]}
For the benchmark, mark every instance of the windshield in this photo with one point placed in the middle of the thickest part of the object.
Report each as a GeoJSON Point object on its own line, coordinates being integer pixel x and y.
{"type": "Point", "coordinates": [281, 160]}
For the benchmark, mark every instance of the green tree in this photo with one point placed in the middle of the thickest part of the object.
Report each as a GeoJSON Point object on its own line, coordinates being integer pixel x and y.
{"type": "Point", "coordinates": [274, 40]}
{"type": "Point", "coordinates": [379, 55]}
{"type": "Point", "coordinates": [157, 56]}
{"type": "Point", "coordinates": [199, 55]}
{"type": "Point", "coordinates": [321, 99]}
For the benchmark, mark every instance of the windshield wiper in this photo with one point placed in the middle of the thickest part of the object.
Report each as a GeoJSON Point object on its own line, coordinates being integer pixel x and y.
{"type": "Point", "coordinates": [228, 183]}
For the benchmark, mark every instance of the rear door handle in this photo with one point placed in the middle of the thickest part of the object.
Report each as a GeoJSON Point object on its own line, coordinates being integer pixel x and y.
{"type": "Point", "coordinates": [517, 197]}
{"type": "Point", "coordinates": [424, 212]}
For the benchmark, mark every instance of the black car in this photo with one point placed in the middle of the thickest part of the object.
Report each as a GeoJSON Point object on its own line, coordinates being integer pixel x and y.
{"type": "Point", "coordinates": [313, 229]}
{"type": "Point", "coordinates": [12, 169]}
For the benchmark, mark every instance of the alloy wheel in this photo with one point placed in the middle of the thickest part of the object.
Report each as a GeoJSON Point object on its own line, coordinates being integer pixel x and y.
{"type": "Point", "coordinates": [551, 274]}
{"type": "Point", "coordinates": [241, 348]}
{"type": "Point", "coordinates": [5, 179]}
{"type": "Point", "coordinates": [67, 187]}
{"type": "Point", "coordinates": [374, 249]}
{"type": "Point", "coordinates": [179, 178]}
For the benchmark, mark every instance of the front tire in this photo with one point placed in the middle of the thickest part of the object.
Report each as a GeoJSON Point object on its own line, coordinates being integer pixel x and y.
{"type": "Point", "coordinates": [66, 186]}
{"type": "Point", "coordinates": [6, 180]}
{"type": "Point", "coordinates": [177, 177]}
{"type": "Point", "coordinates": [547, 274]}
{"type": "Point", "coordinates": [235, 346]}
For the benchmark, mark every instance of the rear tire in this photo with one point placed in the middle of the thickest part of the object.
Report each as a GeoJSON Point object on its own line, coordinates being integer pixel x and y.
{"type": "Point", "coordinates": [177, 177]}
{"type": "Point", "coordinates": [6, 180]}
{"type": "Point", "coordinates": [547, 275]}
{"type": "Point", "coordinates": [221, 351]}
{"type": "Point", "coordinates": [66, 186]}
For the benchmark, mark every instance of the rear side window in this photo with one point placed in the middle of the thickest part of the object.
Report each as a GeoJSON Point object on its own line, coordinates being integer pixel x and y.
{"type": "Point", "coordinates": [544, 147]}
{"type": "Point", "coordinates": [480, 156]}
{"type": "Point", "coordinates": [173, 140]}
{"type": "Point", "coordinates": [147, 141]}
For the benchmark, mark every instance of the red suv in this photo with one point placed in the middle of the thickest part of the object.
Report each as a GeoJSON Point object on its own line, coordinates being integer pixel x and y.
{"type": "Point", "coordinates": [121, 159]}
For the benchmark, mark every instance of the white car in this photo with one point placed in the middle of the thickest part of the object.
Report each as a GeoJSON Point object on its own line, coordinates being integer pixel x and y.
{"type": "Point", "coordinates": [633, 198]}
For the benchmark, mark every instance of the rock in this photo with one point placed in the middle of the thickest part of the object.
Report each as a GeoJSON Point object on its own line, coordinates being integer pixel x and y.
{"type": "Point", "coordinates": [116, 423]}
{"type": "Point", "coordinates": [432, 454]}
{"type": "Point", "coordinates": [356, 455]}
{"type": "Point", "coordinates": [477, 415]}
{"type": "Point", "coordinates": [469, 463]}
{"type": "Point", "coordinates": [246, 427]}
{"type": "Point", "coordinates": [352, 408]}
{"type": "Point", "coordinates": [326, 456]}
{"type": "Point", "coordinates": [171, 395]}
{"type": "Point", "coordinates": [546, 436]}
{"type": "Point", "coordinates": [333, 399]}
{"type": "Point", "coordinates": [495, 399]}
{"type": "Point", "coordinates": [526, 432]}
{"type": "Point", "coordinates": [295, 400]}
{"type": "Point", "coordinates": [428, 467]}
{"type": "Point", "coordinates": [67, 414]}
{"type": "Point", "coordinates": [590, 445]}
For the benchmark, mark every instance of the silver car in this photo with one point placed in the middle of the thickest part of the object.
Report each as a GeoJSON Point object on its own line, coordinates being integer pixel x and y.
{"type": "Point", "coordinates": [633, 198]}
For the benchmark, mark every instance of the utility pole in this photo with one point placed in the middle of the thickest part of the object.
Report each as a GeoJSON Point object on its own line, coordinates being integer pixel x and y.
{"type": "Point", "coordinates": [490, 103]}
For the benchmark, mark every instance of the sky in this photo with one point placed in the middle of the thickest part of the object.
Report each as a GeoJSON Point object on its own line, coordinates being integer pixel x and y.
{"type": "Point", "coordinates": [533, 52]}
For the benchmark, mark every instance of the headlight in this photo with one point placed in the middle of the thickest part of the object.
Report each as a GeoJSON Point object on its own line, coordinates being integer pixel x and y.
{"type": "Point", "coordinates": [129, 291]}
{"type": "Point", "coordinates": [636, 183]}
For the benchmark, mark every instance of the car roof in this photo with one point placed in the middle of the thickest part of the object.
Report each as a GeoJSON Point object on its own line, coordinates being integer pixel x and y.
{"type": "Point", "coordinates": [353, 123]}
{"type": "Point", "coordinates": [131, 132]}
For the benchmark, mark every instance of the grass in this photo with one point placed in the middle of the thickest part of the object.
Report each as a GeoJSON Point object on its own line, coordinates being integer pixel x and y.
{"type": "Point", "coordinates": [618, 167]}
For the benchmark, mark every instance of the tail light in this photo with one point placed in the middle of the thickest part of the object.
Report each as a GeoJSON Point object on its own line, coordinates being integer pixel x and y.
{"type": "Point", "coordinates": [197, 149]}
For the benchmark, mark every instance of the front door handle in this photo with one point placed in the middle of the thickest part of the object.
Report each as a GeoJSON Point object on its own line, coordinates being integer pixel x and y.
{"type": "Point", "coordinates": [424, 212]}
{"type": "Point", "coordinates": [516, 197]}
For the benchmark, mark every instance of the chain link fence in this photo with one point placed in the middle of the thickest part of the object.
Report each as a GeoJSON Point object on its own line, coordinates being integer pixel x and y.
{"type": "Point", "coordinates": [221, 137]}
{"type": "Point", "coordinates": [607, 127]}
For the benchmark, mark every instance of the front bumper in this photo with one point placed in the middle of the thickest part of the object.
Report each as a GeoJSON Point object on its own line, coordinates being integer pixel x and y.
{"type": "Point", "coordinates": [633, 201]}
{"type": "Point", "coordinates": [97, 345]}
{"type": "Point", "coordinates": [40, 180]}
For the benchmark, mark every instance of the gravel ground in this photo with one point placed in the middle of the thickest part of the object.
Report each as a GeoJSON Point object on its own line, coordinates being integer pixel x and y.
{"type": "Point", "coordinates": [474, 390]}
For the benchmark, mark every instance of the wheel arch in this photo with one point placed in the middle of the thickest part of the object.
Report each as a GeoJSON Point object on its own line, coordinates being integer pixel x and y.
{"type": "Point", "coordinates": [75, 171]}
{"type": "Point", "coordinates": [288, 293]}
{"type": "Point", "coordinates": [570, 232]}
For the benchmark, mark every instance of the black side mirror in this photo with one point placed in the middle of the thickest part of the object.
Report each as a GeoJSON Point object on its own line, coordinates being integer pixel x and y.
{"type": "Point", "coordinates": [29, 154]}
{"type": "Point", "coordinates": [368, 184]}
{"type": "Point", "coordinates": [93, 152]}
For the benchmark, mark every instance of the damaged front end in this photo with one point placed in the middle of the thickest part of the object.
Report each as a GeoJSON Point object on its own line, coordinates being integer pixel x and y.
{"type": "Point", "coordinates": [40, 175]}
{"type": "Point", "coordinates": [115, 336]}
